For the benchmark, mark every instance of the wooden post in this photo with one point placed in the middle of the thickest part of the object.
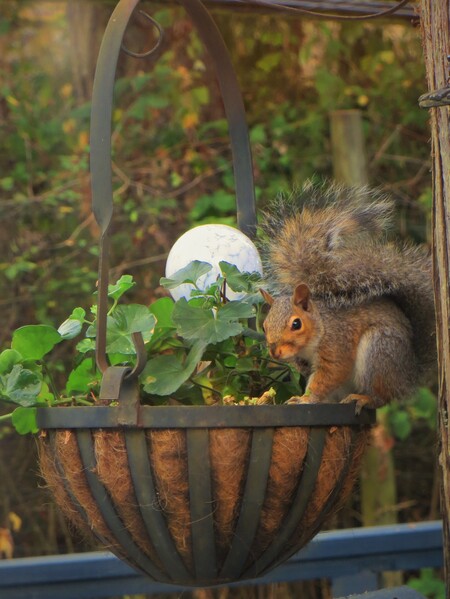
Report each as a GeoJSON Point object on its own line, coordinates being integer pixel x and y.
{"type": "Point", "coordinates": [86, 23]}
{"type": "Point", "coordinates": [348, 147]}
{"type": "Point", "coordinates": [435, 15]}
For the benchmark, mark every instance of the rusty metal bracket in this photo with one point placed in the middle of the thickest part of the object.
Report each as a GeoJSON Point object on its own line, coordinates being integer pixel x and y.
{"type": "Point", "coordinates": [118, 386]}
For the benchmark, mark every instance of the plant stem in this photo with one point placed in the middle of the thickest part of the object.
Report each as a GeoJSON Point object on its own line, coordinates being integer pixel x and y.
{"type": "Point", "coordinates": [113, 307]}
{"type": "Point", "coordinates": [84, 402]}
{"type": "Point", "coordinates": [51, 382]}
{"type": "Point", "coordinates": [6, 417]}
{"type": "Point", "coordinates": [210, 389]}
{"type": "Point", "coordinates": [77, 400]}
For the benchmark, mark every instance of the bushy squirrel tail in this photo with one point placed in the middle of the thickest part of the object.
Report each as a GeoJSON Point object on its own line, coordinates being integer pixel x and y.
{"type": "Point", "coordinates": [333, 238]}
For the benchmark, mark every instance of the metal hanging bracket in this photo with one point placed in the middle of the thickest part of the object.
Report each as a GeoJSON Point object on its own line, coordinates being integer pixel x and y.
{"type": "Point", "coordinates": [101, 171]}
{"type": "Point", "coordinates": [118, 386]}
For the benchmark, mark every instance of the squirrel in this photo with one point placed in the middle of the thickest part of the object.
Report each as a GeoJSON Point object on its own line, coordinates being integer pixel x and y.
{"type": "Point", "coordinates": [352, 311]}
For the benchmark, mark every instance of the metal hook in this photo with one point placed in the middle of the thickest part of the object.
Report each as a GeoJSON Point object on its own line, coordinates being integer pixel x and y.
{"type": "Point", "coordinates": [155, 47]}
{"type": "Point", "coordinates": [141, 356]}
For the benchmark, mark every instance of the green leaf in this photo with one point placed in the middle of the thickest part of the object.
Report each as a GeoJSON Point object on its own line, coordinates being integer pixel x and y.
{"type": "Point", "coordinates": [162, 310]}
{"type": "Point", "coordinates": [24, 420]}
{"type": "Point", "coordinates": [258, 134]}
{"type": "Point", "coordinates": [400, 424]}
{"type": "Point", "coordinates": [245, 364]}
{"type": "Point", "coordinates": [82, 378]}
{"type": "Point", "coordinates": [85, 345]}
{"type": "Point", "coordinates": [165, 329]}
{"type": "Point", "coordinates": [120, 359]}
{"type": "Point", "coordinates": [425, 403]}
{"type": "Point", "coordinates": [18, 268]}
{"type": "Point", "coordinates": [141, 107]}
{"type": "Point", "coordinates": [230, 361]}
{"type": "Point", "coordinates": [428, 584]}
{"type": "Point", "coordinates": [122, 286]}
{"type": "Point", "coordinates": [218, 203]}
{"type": "Point", "coordinates": [164, 374]}
{"type": "Point", "coordinates": [189, 274]}
{"type": "Point", "coordinates": [201, 94]}
{"type": "Point", "coordinates": [269, 61]}
{"type": "Point", "coordinates": [21, 386]}
{"type": "Point", "coordinates": [206, 325]}
{"type": "Point", "coordinates": [45, 396]}
{"type": "Point", "coordinates": [237, 280]}
{"type": "Point", "coordinates": [126, 320]}
{"type": "Point", "coordinates": [78, 314]}
{"type": "Point", "coordinates": [235, 310]}
{"type": "Point", "coordinates": [33, 342]}
{"type": "Point", "coordinates": [8, 359]}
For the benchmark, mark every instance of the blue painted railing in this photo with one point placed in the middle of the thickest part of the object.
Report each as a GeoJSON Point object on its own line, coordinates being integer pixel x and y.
{"type": "Point", "coordinates": [352, 559]}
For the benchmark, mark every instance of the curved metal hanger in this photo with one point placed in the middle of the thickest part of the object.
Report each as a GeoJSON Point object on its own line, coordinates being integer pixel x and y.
{"type": "Point", "coordinates": [101, 172]}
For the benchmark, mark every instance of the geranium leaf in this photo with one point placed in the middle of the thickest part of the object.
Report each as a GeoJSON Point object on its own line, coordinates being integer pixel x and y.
{"type": "Point", "coordinates": [189, 274]}
{"type": "Point", "coordinates": [162, 310]}
{"type": "Point", "coordinates": [235, 309]}
{"type": "Point", "coordinates": [195, 323]}
{"type": "Point", "coordinates": [85, 345]}
{"type": "Point", "coordinates": [132, 318]}
{"type": "Point", "coordinates": [165, 327]}
{"type": "Point", "coordinates": [24, 420]}
{"type": "Point", "coordinates": [164, 374]}
{"type": "Point", "coordinates": [237, 280]}
{"type": "Point", "coordinates": [118, 289]}
{"type": "Point", "coordinates": [21, 386]}
{"type": "Point", "coordinates": [82, 378]}
{"type": "Point", "coordinates": [8, 359]}
{"type": "Point", "coordinates": [33, 342]}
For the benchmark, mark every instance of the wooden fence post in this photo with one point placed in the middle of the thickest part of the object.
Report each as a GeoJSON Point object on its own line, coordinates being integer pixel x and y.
{"type": "Point", "coordinates": [435, 15]}
{"type": "Point", "coordinates": [348, 147]}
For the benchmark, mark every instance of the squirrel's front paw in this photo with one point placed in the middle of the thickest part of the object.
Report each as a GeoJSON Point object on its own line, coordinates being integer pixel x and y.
{"type": "Point", "coordinates": [301, 399]}
{"type": "Point", "coordinates": [361, 401]}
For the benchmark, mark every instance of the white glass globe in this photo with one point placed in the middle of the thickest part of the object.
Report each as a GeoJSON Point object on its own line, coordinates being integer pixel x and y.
{"type": "Point", "coordinates": [212, 244]}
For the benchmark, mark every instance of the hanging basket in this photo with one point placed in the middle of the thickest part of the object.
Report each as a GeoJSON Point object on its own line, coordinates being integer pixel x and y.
{"type": "Point", "coordinates": [192, 495]}
{"type": "Point", "coordinates": [202, 495]}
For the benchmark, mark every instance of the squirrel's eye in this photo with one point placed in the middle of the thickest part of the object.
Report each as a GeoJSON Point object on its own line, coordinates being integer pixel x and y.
{"type": "Point", "coordinates": [296, 324]}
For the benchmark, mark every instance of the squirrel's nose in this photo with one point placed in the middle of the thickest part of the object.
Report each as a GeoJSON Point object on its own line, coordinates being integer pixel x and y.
{"type": "Point", "coordinates": [274, 351]}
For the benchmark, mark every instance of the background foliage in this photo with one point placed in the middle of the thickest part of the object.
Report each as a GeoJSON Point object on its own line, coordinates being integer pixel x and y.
{"type": "Point", "coordinates": [171, 168]}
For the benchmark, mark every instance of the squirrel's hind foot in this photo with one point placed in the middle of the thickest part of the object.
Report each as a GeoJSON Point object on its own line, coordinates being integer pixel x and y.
{"type": "Point", "coordinates": [361, 401]}
{"type": "Point", "coordinates": [297, 399]}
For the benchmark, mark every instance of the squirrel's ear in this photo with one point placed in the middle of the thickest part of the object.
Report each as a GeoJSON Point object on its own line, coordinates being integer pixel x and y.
{"type": "Point", "coordinates": [300, 296]}
{"type": "Point", "coordinates": [268, 298]}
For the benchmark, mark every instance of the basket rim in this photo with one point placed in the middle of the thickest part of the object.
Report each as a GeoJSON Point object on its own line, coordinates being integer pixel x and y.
{"type": "Point", "coordinates": [185, 417]}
